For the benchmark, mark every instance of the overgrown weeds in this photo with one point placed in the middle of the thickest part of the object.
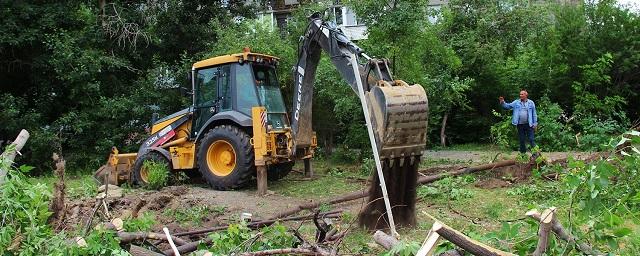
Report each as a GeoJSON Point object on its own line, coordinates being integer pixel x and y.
{"type": "Point", "coordinates": [158, 174]}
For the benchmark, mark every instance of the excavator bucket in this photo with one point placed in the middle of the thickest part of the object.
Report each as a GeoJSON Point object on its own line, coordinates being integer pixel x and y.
{"type": "Point", "coordinates": [399, 115]}
{"type": "Point", "coordinates": [399, 118]}
{"type": "Point", "coordinates": [117, 170]}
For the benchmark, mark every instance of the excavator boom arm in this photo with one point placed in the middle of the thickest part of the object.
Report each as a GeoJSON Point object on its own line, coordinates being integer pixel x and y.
{"type": "Point", "coordinates": [399, 111]}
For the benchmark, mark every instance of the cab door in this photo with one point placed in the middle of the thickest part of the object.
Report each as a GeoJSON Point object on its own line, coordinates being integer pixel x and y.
{"type": "Point", "coordinates": [211, 95]}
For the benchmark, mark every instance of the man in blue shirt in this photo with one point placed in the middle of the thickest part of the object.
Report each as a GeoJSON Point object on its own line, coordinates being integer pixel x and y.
{"type": "Point", "coordinates": [524, 117]}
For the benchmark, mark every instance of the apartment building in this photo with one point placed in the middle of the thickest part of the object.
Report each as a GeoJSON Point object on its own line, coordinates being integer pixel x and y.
{"type": "Point", "coordinates": [277, 12]}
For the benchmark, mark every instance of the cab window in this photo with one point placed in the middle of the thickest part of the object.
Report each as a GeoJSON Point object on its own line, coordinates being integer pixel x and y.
{"type": "Point", "coordinates": [206, 87]}
{"type": "Point", "coordinates": [225, 88]}
{"type": "Point", "coordinates": [246, 90]}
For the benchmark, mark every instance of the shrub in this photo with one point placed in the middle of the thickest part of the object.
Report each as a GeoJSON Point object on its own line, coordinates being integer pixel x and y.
{"type": "Point", "coordinates": [24, 229]}
{"type": "Point", "coordinates": [239, 238]}
{"type": "Point", "coordinates": [158, 174]}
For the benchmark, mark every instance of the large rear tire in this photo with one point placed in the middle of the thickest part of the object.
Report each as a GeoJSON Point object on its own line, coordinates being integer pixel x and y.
{"type": "Point", "coordinates": [141, 175]}
{"type": "Point", "coordinates": [226, 157]}
{"type": "Point", "coordinates": [279, 171]}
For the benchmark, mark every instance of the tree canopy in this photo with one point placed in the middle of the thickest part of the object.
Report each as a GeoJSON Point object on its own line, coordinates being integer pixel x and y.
{"type": "Point", "coordinates": [85, 76]}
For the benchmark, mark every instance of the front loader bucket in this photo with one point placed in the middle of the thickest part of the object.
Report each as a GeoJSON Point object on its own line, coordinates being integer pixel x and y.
{"type": "Point", "coordinates": [399, 117]}
{"type": "Point", "coordinates": [117, 170]}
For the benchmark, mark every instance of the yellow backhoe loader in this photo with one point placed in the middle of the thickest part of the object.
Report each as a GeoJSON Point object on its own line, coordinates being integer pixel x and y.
{"type": "Point", "coordinates": [238, 126]}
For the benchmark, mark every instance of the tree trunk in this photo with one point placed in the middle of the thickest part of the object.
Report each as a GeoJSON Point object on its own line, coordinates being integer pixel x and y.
{"type": "Point", "coordinates": [7, 157]}
{"type": "Point", "coordinates": [57, 206]}
{"type": "Point", "coordinates": [443, 137]}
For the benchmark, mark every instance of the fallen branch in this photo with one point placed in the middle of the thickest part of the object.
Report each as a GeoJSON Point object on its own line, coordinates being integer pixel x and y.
{"type": "Point", "coordinates": [432, 178]}
{"type": "Point", "coordinates": [8, 156]}
{"type": "Point", "coordinates": [260, 224]}
{"type": "Point", "coordinates": [188, 247]}
{"type": "Point", "coordinates": [168, 236]}
{"type": "Point", "coordinates": [469, 245]}
{"type": "Point", "coordinates": [559, 230]}
{"type": "Point", "coordinates": [192, 246]}
{"type": "Point", "coordinates": [281, 251]}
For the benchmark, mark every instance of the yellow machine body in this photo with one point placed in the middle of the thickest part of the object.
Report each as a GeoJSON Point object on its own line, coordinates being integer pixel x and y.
{"type": "Point", "coordinates": [271, 145]}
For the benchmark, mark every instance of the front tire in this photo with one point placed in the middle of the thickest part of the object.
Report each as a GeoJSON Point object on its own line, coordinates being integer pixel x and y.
{"type": "Point", "coordinates": [141, 175]}
{"type": "Point", "coordinates": [226, 157]}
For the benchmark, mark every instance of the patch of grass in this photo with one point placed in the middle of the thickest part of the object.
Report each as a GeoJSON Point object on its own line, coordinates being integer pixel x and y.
{"type": "Point", "coordinates": [82, 186]}
{"type": "Point", "coordinates": [493, 210]}
{"type": "Point", "coordinates": [449, 188]}
{"type": "Point", "coordinates": [193, 215]}
{"type": "Point", "coordinates": [330, 180]}
{"type": "Point", "coordinates": [358, 242]}
{"type": "Point", "coordinates": [143, 223]}
{"type": "Point", "coordinates": [158, 174]}
{"type": "Point", "coordinates": [468, 147]}
{"type": "Point", "coordinates": [431, 162]}
{"type": "Point", "coordinates": [77, 185]}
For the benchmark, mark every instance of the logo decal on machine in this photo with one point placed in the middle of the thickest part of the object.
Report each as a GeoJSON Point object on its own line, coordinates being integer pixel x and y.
{"type": "Point", "coordinates": [296, 114]}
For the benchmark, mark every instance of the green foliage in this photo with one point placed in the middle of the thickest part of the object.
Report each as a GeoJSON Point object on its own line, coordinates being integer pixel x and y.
{"type": "Point", "coordinates": [238, 238]}
{"type": "Point", "coordinates": [404, 249]}
{"type": "Point", "coordinates": [368, 165]}
{"type": "Point", "coordinates": [25, 211]}
{"type": "Point", "coordinates": [142, 223]}
{"type": "Point", "coordinates": [158, 174]}
{"type": "Point", "coordinates": [106, 74]}
{"type": "Point", "coordinates": [600, 197]}
{"type": "Point", "coordinates": [587, 130]}
{"type": "Point", "coordinates": [25, 229]}
{"type": "Point", "coordinates": [450, 188]}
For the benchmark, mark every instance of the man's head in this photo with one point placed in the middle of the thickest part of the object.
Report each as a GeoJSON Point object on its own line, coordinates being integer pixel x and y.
{"type": "Point", "coordinates": [523, 94]}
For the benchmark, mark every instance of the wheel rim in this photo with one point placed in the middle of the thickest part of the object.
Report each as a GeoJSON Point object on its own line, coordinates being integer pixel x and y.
{"type": "Point", "coordinates": [144, 174]}
{"type": "Point", "coordinates": [221, 158]}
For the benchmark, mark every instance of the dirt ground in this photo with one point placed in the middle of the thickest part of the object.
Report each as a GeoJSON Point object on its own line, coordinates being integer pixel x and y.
{"type": "Point", "coordinates": [200, 207]}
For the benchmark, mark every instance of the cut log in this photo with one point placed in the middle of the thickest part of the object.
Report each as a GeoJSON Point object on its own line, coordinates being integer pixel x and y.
{"type": "Point", "coordinates": [563, 234]}
{"type": "Point", "coordinates": [9, 156]}
{"type": "Point", "coordinates": [469, 245]}
{"type": "Point", "coordinates": [385, 240]}
{"type": "Point", "coordinates": [293, 251]}
{"type": "Point", "coordinates": [128, 237]}
{"type": "Point", "coordinates": [139, 251]}
{"type": "Point", "coordinates": [543, 231]}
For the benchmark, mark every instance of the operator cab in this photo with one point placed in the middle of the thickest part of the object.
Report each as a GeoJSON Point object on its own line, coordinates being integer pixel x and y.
{"type": "Point", "coordinates": [234, 84]}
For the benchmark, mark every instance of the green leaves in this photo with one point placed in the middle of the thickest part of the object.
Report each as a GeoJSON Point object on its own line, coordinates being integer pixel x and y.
{"type": "Point", "coordinates": [238, 238]}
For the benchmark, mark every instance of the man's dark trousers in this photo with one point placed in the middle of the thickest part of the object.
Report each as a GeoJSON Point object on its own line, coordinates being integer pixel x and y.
{"type": "Point", "coordinates": [525, 132]}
